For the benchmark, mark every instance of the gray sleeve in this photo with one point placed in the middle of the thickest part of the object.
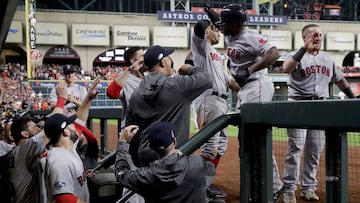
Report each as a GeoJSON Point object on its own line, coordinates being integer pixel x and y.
{"type": "Point", "coordinates": [53, 96]}
{"type": "Point", "coordinates": [198, 46]}
{"type": "Point", "coordinates": [191, 86]}
{"type": "Point", "coordinates": [338, 74]}
{"type": "Point", "coordinates": [83, 92]}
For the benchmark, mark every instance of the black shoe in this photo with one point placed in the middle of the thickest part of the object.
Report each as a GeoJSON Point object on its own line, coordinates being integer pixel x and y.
{"type": "Point", "coordinates": [215, 192]}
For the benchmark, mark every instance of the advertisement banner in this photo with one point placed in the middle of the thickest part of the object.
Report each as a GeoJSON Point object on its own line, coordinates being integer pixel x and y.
{"type": "Point", "coordinates": [51, 33]}
{"type": "Point", "coordinates": [280, 38]}
{"type": "Point", "coordinates": [15, 34]}
{"type": "Point", "coordinates": [340, 41]}
{"type": "Point", "coordinates": [193, 17]}
{"type": "Point", "coordinates": [171, 37]}
{"type": "Point", "coordinates": [90, 35]}
{"type": "Point", "coordinates": [131, 36]}
{"type": "Point", "coordinates": [53, 83]}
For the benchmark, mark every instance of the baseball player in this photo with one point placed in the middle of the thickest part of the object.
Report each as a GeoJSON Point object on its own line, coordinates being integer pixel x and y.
{"type": "Point", "coordinates": [310, 72]}
{"type": "Point", "coordinates": [25, 168]}
{"type": "Point", "coordinates": [65, 175]}
{"type": "Point", "coordinates": [124, 85]}
{"type": "Point", "coordinates": [213, 102]}
{"type": "Point", "coordinates": [76, 92]}
{"type": "Point", "coordinates": [250, 55]}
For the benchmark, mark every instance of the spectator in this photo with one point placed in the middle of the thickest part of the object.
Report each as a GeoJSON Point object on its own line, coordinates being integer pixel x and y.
{"type": "Point", "coordinates": [6, 140]}
{"type": "Point", "coordinates": [76, 92]}
{"type": "Point", "coordinates": [174, 177]}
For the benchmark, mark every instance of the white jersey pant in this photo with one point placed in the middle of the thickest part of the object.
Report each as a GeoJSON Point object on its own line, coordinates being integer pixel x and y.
{"type": "Point", "coordinates": [261, 90]}
{"type": "Point", "coordinates": [207, 109]}
{"type": "Point", "coordinates": [311, 142]}
{"type": "Point", "coordinates": [135, 198]}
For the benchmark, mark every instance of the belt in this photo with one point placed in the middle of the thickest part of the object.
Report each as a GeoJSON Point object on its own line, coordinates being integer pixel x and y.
{"type": "Point", "coordinates": [216, 93]}
{"type": "Point", "coordinates": [247, 81]}
{"type": "Point", "coordinates": [308, 98]}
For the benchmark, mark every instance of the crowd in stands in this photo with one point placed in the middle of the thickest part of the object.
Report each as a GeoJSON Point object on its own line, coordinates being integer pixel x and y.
{"type": "Point", "coordinates": [55, 72]}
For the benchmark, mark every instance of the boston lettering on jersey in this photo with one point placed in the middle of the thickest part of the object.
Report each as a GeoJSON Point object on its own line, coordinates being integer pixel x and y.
{"type": "Point", "coordinates": [215, 57]}
{"type": "Point", "coordinates": [315, 69]}
{"type": "Point", "coordinates": [233, 53]}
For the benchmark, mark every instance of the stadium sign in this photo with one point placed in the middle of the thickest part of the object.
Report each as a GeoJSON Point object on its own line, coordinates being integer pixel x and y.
{"type": "Point", "coordinates": [193, 17]}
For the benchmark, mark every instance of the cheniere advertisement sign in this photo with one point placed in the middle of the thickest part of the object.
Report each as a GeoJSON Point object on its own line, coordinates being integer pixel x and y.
{"type": "Point", "coordinates": [90, 35]}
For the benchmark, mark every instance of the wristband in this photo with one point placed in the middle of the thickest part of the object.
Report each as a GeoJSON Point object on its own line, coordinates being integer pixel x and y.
{"type": "Point", "coordinates": [299, 54]}
{"type": "Point", "coordinates": [348, 92]}
{"type": "Point", "coordinates": [60, 102]}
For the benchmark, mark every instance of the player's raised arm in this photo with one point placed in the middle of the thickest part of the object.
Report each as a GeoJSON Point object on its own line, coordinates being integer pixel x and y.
{"type": "Point", "coordinates": [268, 59]}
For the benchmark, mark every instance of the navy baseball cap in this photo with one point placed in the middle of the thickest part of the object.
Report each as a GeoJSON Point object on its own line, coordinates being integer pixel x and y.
{"type": "Point", "coordinates": [55, 125]}
{"type": "Point", "coordinates": [154, 54]}
{"type": "Point", "coordinates": [69, 69]}
{"type": "Point", "coordinates": [161, 135]}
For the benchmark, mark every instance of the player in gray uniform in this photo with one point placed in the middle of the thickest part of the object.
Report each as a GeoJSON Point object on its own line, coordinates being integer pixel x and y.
{"type": "Point", "coordinates": [310, 72]}
{"type": "Point", "coordinates": [124, 85]}
{"type": "Point", "coordinates": [76, 92]}
{"type": "Point", "coordinates": [250, 54]}
{"type": "Point", "coordinates": [65, 176]}
{"type": "Point", "coordinates": [213, 102]}
{"type": "Point", "coordinates": [25, 169]}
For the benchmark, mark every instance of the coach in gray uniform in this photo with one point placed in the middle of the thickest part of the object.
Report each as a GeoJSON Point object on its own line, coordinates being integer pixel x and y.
{"type": "Point", "coordinates": [310, 72]}
{"type": "Point", "coordinates": [161, 97]}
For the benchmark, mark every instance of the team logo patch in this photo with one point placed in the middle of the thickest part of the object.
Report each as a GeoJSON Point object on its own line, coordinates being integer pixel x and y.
{"type": "Point", "coordinates": [263, 39]}
{"type": "Point", "coordinates": [59, 185]}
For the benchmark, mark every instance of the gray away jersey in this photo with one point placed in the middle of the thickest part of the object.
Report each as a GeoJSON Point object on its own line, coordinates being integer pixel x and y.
{"type": "Point", "coordinates": [313, 75]}
{"type": "Point", "coordinates": [205, 56]}
{"type": "Point", "coordinates": [245, 49]}
{"type": "Point", "coordinates": [65, 173]}
{"type": "Point", "coordinates": [26, 172]}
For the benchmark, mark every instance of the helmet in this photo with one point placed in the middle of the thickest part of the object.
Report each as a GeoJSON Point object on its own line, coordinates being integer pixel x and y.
{"type": "Point", "coordinates": [233, 13]}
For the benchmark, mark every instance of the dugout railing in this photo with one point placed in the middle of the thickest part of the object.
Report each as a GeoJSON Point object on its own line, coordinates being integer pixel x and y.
{"type": "Point", "coordinates": [255, 122]}
{"type": "Point", "coordinates": [336, 117]}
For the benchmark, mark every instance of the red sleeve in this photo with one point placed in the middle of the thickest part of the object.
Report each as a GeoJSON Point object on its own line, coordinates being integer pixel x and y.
{"type": "Point", "coordinates": [113, 90]}
{"type": "Point", "coordinates": [65, 198]}
{"type": "Point", "coordinates": [79, 128]}
{"type": "Point", "coordinates": [89, 135]}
